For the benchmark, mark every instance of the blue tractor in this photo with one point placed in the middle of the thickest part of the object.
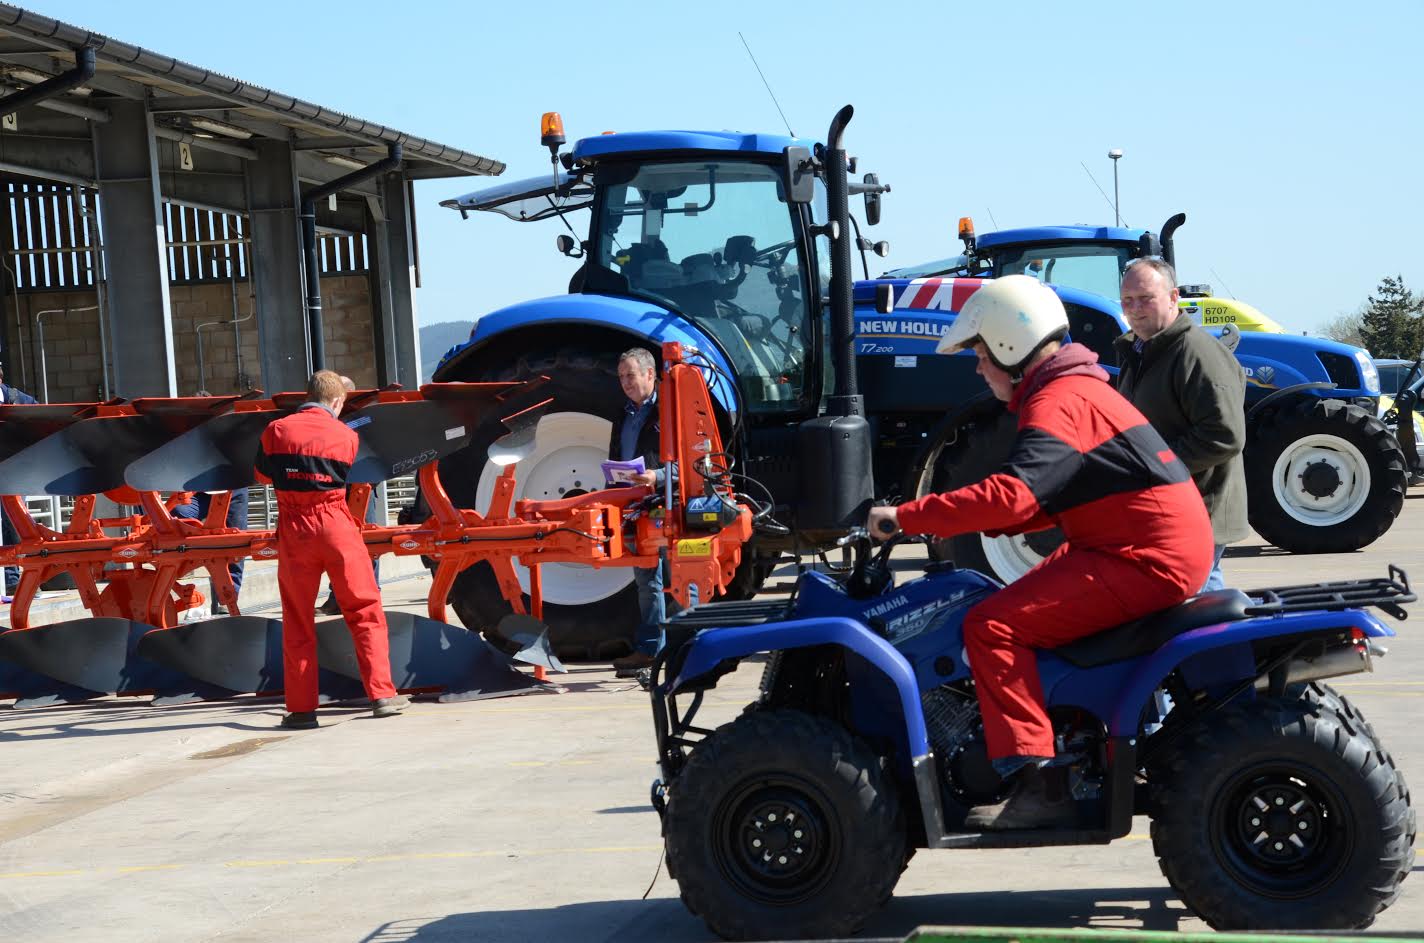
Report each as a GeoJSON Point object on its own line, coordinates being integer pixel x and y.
{"type": "Point", "coordinates": [1324, 474]}
{"type": "Point", "coordinates": [741, 246]}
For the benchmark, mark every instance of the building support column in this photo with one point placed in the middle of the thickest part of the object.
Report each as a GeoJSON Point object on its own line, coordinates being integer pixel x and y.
{"type": "Point", "coordinates": [139, 311]}
{"type": "Point", "coordinates": [391, 243]}
{"type": "Point", "coordinates": [274, 263]}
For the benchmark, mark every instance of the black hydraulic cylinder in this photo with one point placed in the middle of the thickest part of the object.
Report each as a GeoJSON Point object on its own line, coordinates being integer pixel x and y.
{"type": "Point", "coordinates": [311, 263]}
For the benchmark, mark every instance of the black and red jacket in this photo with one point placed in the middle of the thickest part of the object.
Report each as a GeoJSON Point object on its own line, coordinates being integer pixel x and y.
{"type": "Point", "coordinates": [307, 456]}
{"type": "Point", "coordinates": [1085, 460]}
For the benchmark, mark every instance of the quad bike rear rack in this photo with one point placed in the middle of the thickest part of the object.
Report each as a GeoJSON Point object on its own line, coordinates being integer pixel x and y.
{"type": "Point", "coordinates": [1386, 593]}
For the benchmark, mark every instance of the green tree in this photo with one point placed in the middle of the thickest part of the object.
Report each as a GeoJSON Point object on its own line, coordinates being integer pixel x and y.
{"type": "Point", "coordinates": [1393, 322]}
{"type": "Point", "coordinates": [1345, 328]}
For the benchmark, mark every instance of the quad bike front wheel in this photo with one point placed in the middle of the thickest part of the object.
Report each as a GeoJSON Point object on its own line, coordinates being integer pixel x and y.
{"type": "Point", "coordinates": [783, 825]}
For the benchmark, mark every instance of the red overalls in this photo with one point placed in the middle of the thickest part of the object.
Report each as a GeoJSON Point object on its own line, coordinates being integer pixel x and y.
{"type": "Point", "coordinates": [307, 456]}
{"type": "Point", "coordinates": [1138, 538]}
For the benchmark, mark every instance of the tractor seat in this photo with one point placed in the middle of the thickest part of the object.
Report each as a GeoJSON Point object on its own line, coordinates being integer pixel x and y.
{"type": "Point", "coordinates": [1149, 633]}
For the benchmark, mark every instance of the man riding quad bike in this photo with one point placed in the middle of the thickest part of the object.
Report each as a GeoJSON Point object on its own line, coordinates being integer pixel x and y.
{"type": "Point", "coordinates": [950, 712]}
{"type": "Point", "coordinates": [1137, 535]}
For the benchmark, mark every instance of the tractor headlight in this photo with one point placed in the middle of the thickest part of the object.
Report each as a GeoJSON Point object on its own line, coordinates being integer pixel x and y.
{"type": "Point", "coordinates": [1369, 376]}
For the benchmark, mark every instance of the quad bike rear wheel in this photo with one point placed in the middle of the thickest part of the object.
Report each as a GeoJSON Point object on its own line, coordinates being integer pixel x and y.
{"type": "Point", "coordinates": [1281, 815]}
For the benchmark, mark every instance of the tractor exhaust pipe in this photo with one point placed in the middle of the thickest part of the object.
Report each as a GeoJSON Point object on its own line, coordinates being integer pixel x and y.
{"type": "Point", "coordinates": [1169, 229]}
{"type": "Point", "coordinates": [847, 400]}
{"type": "Point", "coordinates": [837, 478]}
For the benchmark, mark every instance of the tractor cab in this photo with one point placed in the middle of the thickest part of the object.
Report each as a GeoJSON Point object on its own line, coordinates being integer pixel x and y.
{"type": "Point", "coordinates": [729, 232]}
{"type": "Point", "coordinates": [715, 240]}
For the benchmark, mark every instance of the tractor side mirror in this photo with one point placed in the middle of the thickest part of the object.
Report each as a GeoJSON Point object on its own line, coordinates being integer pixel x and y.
{"type": "Point", "coordinates": [799, 173]}
{"type": "Point", "coordinates": [872, 199]}
{"type": "Point", "coordinates": [567, 246]}
{"type": "Point", "coordinates": [884, 298]}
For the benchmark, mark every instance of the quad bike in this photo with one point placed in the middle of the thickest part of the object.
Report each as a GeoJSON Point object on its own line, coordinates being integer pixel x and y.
{"type": "Point", "coordinates": [1273, 803]}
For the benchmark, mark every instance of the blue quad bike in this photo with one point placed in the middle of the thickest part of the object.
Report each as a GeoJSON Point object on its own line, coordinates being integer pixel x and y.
{"type": "Point", "coordinates": [1273, 803]}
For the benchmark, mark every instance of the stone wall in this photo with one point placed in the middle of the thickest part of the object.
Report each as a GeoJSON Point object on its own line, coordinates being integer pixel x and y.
{"type": "Point", "coordinates": [72, 342]}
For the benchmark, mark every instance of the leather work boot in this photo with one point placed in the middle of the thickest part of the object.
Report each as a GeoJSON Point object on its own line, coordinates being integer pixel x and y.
{"type": "Point", "coordinates": [1041, 800]}
{"type": "Point", "coordinates": [299, 720]}
{"type": "Point", "coordinates": [629, 665]}
{"type": "Point", "coordinates": [389, 706]}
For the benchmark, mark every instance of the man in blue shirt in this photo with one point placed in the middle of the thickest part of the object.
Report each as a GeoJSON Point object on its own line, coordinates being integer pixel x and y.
{"type": "Point", "coordinates": [9, 396]}
{"type": "Point", "coordinates": [636, 434]}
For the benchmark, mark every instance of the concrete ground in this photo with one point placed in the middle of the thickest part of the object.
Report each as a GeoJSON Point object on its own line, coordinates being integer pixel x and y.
{"type": "Point", "coordinates": [522, 818]}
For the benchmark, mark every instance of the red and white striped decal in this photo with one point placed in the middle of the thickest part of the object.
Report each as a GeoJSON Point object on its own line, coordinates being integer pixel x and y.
{"type": "Point", "coordinates": [938, 294]}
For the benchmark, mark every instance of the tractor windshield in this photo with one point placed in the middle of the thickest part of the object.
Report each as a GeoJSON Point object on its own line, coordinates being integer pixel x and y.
{"type": "Point", "coordinates": [716, 242]}
{"type": "Point", "coordinates": [1092, 267]}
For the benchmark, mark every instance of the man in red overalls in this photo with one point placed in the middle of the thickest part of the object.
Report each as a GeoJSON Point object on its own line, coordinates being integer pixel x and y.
{"type": "Point", "coordinates": [307, 456]}
{"type": "Point", "coordinates": [1137, 535]}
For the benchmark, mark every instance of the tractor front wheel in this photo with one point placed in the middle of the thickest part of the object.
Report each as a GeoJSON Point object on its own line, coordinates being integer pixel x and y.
{"type": "Point", "coordinates": [1323, 476]}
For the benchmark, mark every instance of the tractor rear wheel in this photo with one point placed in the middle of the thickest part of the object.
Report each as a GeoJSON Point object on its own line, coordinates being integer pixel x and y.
{"type": "Point", "coordinates": [979, 450]}
{"type": "Point", "coordinates": [1323, 476]}
{"type": "Point", "coordinates": [591, 613]}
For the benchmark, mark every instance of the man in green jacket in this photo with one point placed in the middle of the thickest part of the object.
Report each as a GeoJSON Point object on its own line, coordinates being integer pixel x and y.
{"type": "Point", "coordinates": [1192, 390]}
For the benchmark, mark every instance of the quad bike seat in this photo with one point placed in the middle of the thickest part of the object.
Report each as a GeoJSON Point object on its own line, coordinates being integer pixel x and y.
{"type": "Point", "coordinates": [1151, 632]}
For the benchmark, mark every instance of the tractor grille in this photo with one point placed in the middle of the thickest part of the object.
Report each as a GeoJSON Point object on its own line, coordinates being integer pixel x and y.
{"type": "Point", "coordinates": [1340, 369]}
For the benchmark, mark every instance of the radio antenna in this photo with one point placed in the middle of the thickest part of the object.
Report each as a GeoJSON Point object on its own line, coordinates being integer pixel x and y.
{"type": "Point", "coordinates": [767, 84]}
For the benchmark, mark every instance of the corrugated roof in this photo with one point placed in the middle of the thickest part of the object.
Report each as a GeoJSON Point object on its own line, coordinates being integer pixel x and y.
{"type": "Point", "coordinates": [179, 77]}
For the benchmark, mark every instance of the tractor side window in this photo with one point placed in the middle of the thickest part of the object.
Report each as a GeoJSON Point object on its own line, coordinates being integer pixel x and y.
{"type": "Point", "coordinates": [715, 241]}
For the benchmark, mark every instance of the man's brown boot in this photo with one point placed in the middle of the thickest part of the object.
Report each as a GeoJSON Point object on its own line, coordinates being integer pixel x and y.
{"type": "Point", "coordinates": [1041, 800]}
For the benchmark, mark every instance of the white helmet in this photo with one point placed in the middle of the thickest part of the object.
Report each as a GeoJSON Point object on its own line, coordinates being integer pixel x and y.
{"type": "Point", "coordinates": [1013, 316]}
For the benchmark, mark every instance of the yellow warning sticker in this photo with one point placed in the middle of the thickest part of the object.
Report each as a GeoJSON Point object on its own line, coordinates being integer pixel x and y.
{"type": "Point", "coordinates": [699, 547]}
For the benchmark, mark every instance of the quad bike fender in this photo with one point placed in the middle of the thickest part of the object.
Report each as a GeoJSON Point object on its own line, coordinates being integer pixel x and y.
{"type": "Point", "coordinates": [713, 649]}
{"type": "Point", "coordinates": [1222, 654]}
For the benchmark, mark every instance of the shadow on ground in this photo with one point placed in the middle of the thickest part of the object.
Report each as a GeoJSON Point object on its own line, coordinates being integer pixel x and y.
{"type": "Point", "coordinates": [1153, 908]}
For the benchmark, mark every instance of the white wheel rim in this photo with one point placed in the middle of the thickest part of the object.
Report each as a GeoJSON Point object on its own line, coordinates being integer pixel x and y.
{"type": "Point", "coordinates": [569, 451]}
{"type": "Point", "coordinates": [1009, 557]}
{"type": "Point", "coordinates": [1349, 465]}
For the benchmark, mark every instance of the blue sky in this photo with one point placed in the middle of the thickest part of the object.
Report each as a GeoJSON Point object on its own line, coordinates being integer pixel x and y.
{"type": "Point", "coordinates": [1289, 133]}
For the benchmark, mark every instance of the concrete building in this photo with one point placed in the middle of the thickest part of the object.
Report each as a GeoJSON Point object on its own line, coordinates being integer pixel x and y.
{"type": "Point", "coordinates": [155, 243]}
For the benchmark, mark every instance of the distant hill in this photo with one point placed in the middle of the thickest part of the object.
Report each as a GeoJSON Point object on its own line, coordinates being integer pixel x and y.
{"type": "Point", "coordinates": [435, 339]}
